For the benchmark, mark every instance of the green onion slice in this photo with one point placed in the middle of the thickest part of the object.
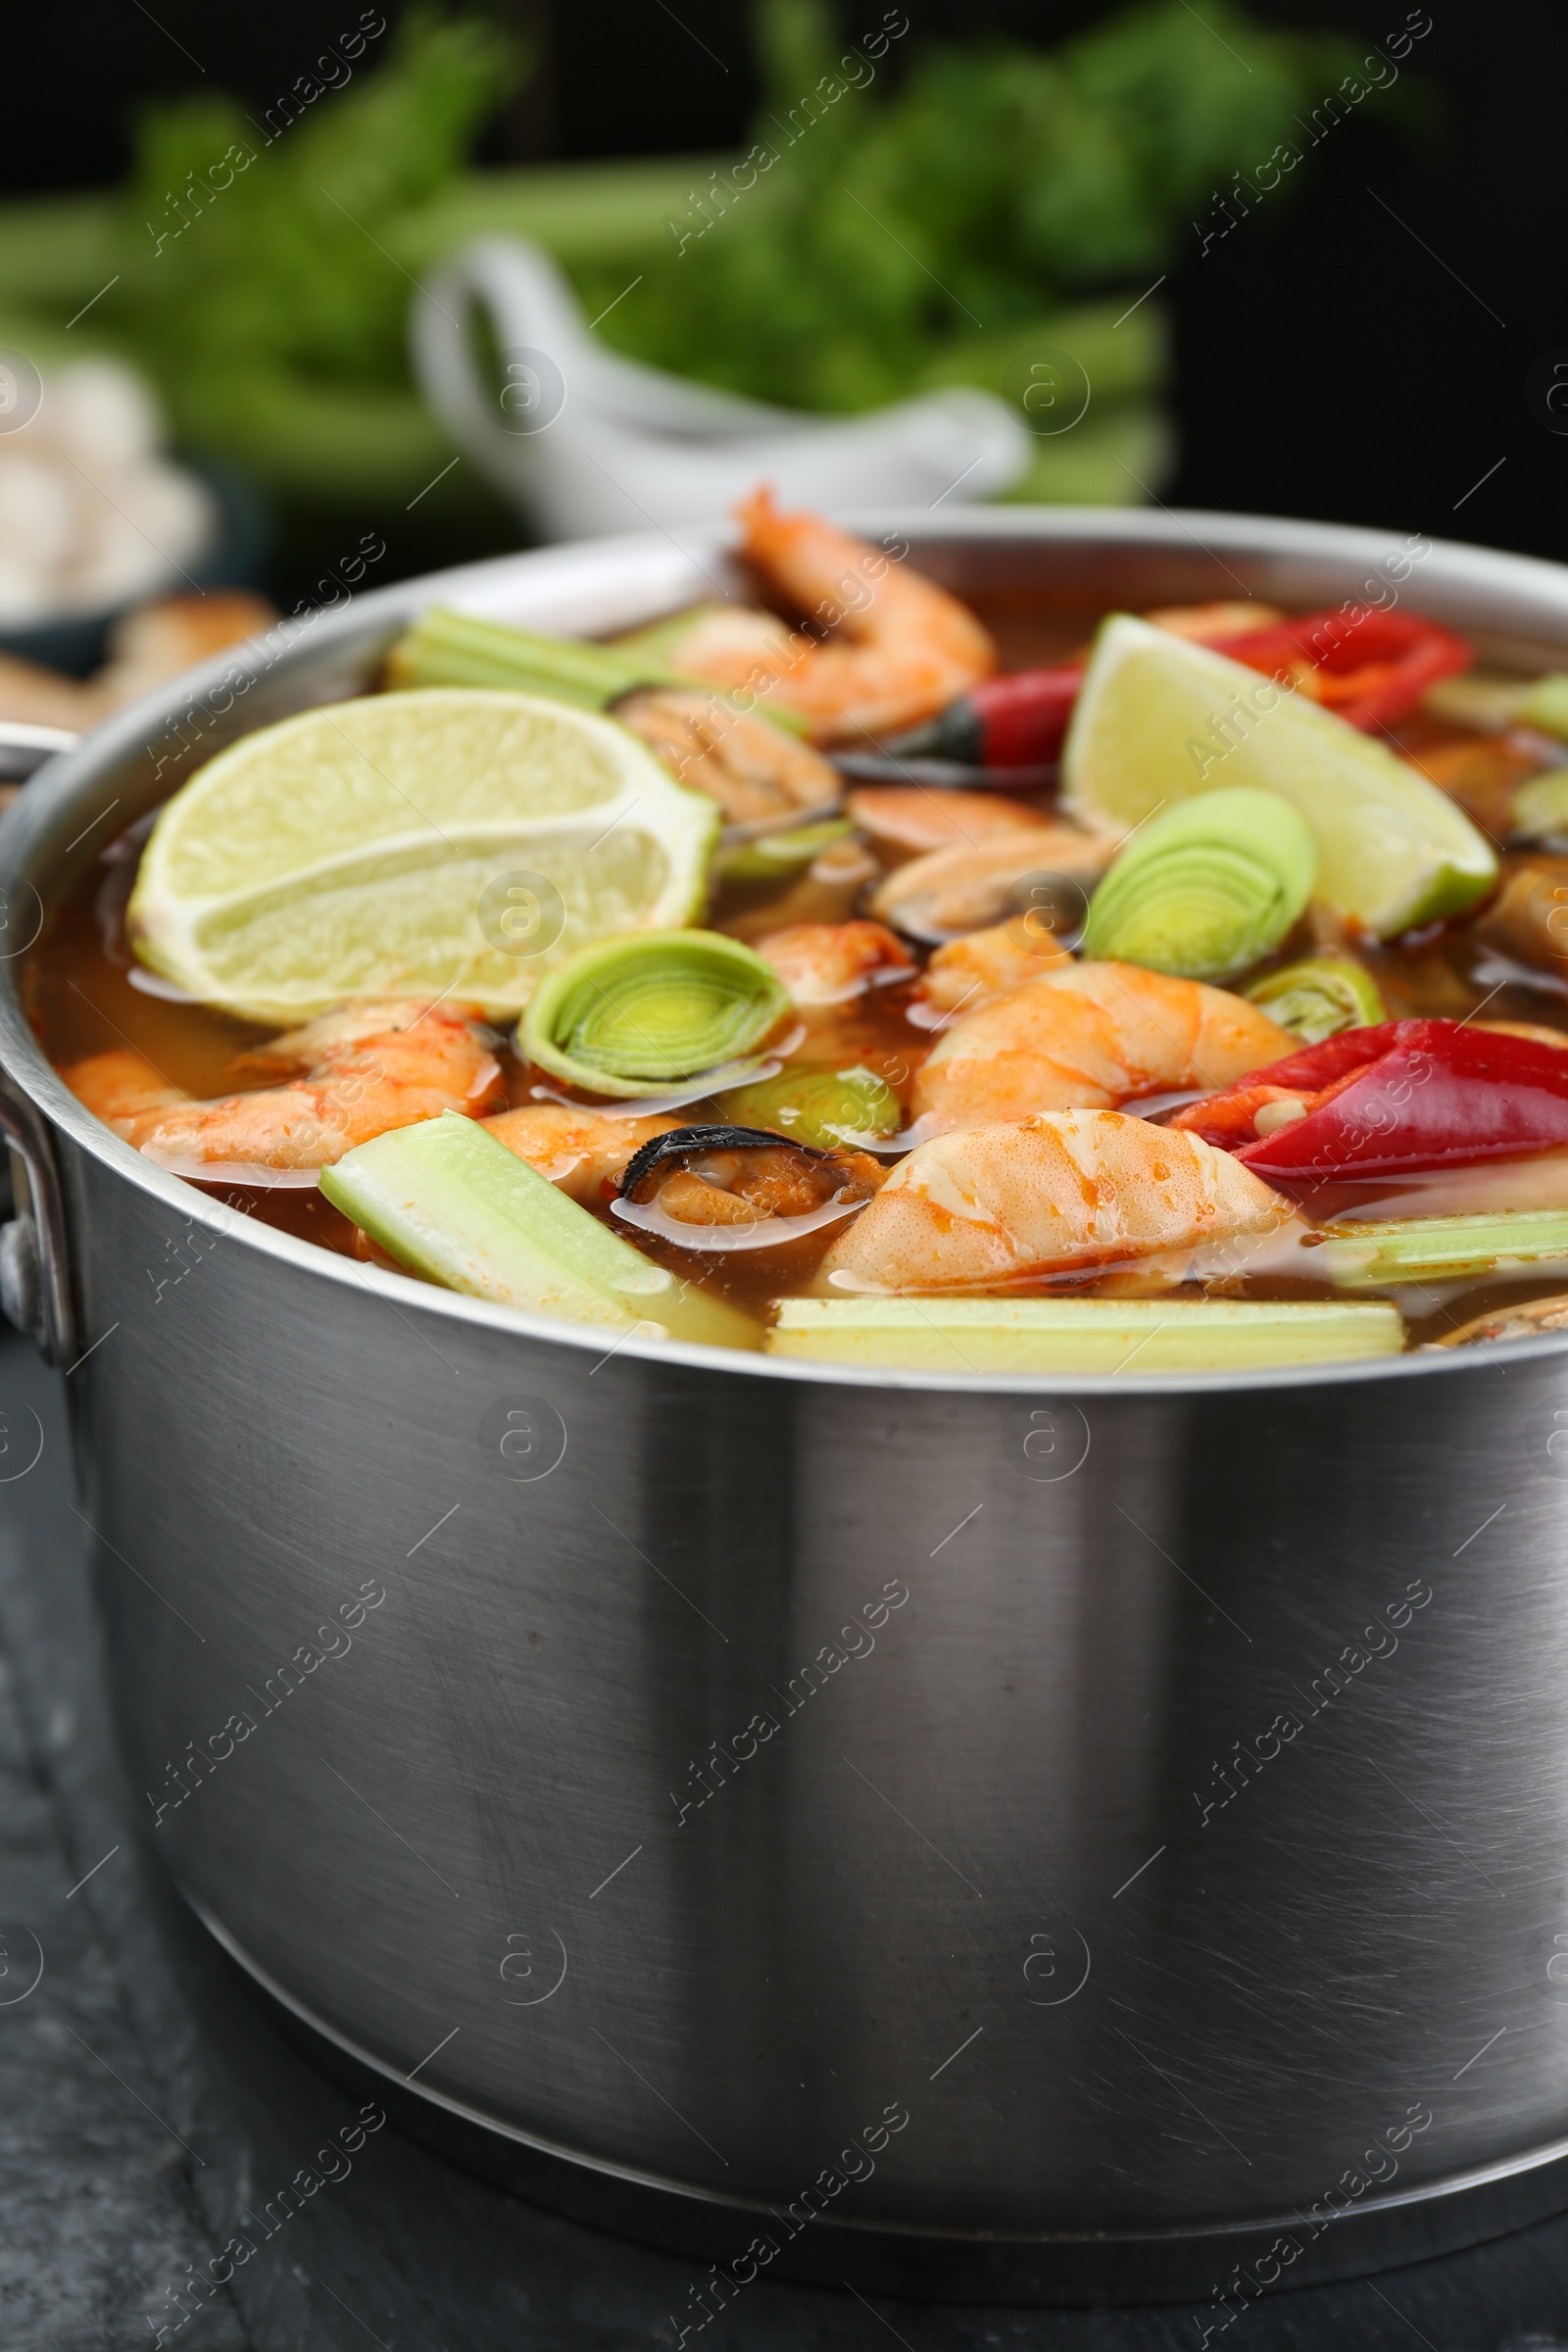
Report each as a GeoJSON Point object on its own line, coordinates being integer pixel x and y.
{"type": "Point", "coordinates": [625, 1014]}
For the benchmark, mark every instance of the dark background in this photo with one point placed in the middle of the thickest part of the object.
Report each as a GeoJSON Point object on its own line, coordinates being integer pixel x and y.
{"type": "Point", "coordinates": [1333, 360]}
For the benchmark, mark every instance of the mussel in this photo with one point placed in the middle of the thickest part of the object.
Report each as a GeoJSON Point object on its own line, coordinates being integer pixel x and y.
{"type": "Point", "coordinates": [730, 1187]}
{"type": "Point", "coordinates": [1207, 889]}
{"type": "Point", "coordinates": [910, 821]}
{"type": "Point", "coordinates": [758, 772]}
{"type": "Point", "coordinates": [1528, 920]}
{"type": "Point", "coordinates": [973, 885]}
{"type": "Point", "coordinates": [625, 1014]}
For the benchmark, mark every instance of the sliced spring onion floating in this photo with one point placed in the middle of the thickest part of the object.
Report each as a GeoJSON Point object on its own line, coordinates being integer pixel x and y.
{"type": "Point", "coordinates": [1083, 1335]}
{"type": "Point", "coordinates": [1373, 1254]}
{"type": "Point", "coordinates": [1319, 997]}
{"type": "Point", "coordinates": [1208, 888]}
{"type": "Point", "coordinates": [451, 1202]}
{"type": "Point", "coordinates": [777, 856]}
{"type": "Point", "coordinates": [629, 1014]}
{"type": "Point", "coordinates": [814, 1104]}
{"type": "Point", "coordinates": [1546, 705]}
{"type": "Point", "coordinates": [1541, 807]}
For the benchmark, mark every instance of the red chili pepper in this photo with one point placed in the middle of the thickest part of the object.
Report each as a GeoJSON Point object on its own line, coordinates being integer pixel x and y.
{"type": "Point", "coordinates": [1017, 720]}
{"type": "Point", "coordinates": [1023, 718]}
{"type": "Point", "coordinates": [1370, 665]}
{"type": "Point", "coordinates": [1393, 1100]}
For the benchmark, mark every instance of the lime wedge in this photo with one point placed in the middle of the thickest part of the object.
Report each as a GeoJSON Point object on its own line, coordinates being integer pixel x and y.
{"type": "Point", "coordinates": [1159, 719]}
{"type": "Point", "coordinates": [446, 841]}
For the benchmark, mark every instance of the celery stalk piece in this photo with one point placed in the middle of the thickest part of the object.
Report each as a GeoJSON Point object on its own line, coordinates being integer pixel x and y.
{"type": "Point", "coordinates": [1371, 1255]}
{"type": "Point", "coordinates": [445, 647]}
{"type": "Point", "coordinates": [1081, 1335]}
{"type": "Point", "coordinates": [455, 649]}
{"type": "Point", "coordinates": [448, 1201]}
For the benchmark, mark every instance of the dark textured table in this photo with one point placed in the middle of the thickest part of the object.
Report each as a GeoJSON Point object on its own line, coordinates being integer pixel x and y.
{"type": "Point", "coordinates": [148, 2098]}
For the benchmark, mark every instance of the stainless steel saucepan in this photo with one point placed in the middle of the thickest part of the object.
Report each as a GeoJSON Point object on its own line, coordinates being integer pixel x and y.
{"type": "Point", "coordinates": [976, 1841]}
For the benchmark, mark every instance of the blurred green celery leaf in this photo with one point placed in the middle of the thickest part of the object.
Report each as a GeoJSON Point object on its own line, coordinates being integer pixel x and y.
{"type": "Point", "coordinates": [992, 185]}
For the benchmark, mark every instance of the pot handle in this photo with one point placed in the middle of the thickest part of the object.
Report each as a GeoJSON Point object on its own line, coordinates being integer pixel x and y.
{"type": "Point", "coordinates": [34, 1276]}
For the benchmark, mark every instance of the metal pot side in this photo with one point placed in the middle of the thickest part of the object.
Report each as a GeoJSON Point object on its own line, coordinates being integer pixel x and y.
{"type": "Point", "coordinates": [982, 1842]}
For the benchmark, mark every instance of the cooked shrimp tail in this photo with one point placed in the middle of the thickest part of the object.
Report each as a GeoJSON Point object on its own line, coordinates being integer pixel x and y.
{"type": "Point", "coordinates": [121, 1087]}
{"type": "Point", "coordinates": [829, 963]}
{"type": "Point", "coordinates": [1064, 1192]}
{"type": "Point", "coordinates": [580, 1150]}
{"type": "Point", "coordinates": [899, 647]}
{"type": "Point", "coordinates": [363, 1069]}
{"type": "Point", "coordinates": [1091, 1037]}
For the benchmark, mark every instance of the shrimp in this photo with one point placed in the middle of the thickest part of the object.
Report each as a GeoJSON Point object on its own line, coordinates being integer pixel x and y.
{"type": "Point", "coordinates": [118, 1088]}
{"type": "Point", "coordinates": [580, 1150]}
{"type": "Point", "coordinates": [972, 971]}
{"type": "Point", "coordinates": [902, 649]}
{"type": "Point", "coordinates": [1090, 1037]}
{"type": "Point", "coordinates": [1053, 1194]}
{"type": "Point", "coordinates": [362, 1069]}
{"type": "Point", "coordinates": [828, 964]}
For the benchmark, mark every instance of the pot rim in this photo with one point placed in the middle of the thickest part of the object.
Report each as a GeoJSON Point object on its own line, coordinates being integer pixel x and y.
{"type": "Point", "coordinates": [32, 842]}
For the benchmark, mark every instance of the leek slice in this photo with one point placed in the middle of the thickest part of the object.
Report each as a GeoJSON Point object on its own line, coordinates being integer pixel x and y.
{"type": "Point", "coordinates": [1319, 997]}
{"type": "Point", "coordinates": [1207, 889]}
{"type": "Point", "coordinates": [1083, 1335]}
{"type": "Point", "coordinates": [815, 1103]}
{"type": "Point", "coordinates": [628, 1014]}
{"type": "Point", "coordinates": [450, 1203]}
{"type": "Point", "coordinates": [1379, 1253]}
{"type": "Point", "coordinates": [1546, 705]}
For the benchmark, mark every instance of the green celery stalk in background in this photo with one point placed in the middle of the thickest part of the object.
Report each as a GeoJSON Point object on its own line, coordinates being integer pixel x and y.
{"type": "Point", "coordinates": [935, 225]}
{"type": "Point", "coordinates": [964, 193]}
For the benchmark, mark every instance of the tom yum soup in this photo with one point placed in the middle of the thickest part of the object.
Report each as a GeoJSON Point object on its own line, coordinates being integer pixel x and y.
{"type": "Point", "coordinates": [1190, 995]}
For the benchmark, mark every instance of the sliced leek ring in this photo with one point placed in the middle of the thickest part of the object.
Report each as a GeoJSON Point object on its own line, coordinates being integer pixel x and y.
{"type": "Point", "coordinates": [626, 1014]}
{"type": "Point", "coordinates": [1207, 889]}
{"type": "Point", "coordinates": [1318, 997]}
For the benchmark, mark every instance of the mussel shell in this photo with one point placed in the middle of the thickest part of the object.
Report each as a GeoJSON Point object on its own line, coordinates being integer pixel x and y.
{"type": "Point", "coordinates": [682, 1142]}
